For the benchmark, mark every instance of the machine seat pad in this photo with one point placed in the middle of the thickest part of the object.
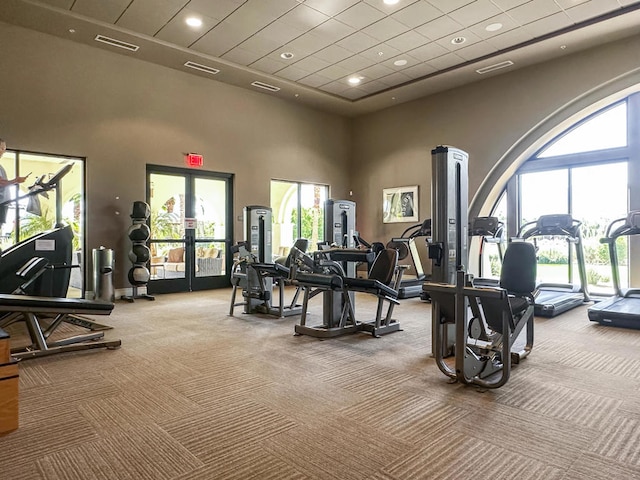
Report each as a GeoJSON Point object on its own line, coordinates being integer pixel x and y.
{"type": "Point", "coordinates": [370, 286]}
{"type": "Point", "coordinates": [28, 303]}
{"type": "Point", "coordinates": [518, 304]}
{"type": "Point", "coordinates": [271, 269]}
{"type": "Point", "coordinates": [320, 280]}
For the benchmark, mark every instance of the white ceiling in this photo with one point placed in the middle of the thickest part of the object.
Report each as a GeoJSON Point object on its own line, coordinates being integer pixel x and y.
{"type": "Point", "coordinates": [333, 40]}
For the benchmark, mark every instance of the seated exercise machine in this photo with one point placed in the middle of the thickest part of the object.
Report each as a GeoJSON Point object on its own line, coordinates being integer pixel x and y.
{"type": "Point", "coordinates": [487, 321]}
{"type": "Point", "coordinates": [324, 274]}
{"type": "Point", "coordinates": [255, 274]}
{"type": "Point", "coordinates": [43, 315]}
{"type": "Point", "coordinates": [623, 308]}
{"type": "Point", "coordinates": [555, 298]}
{"type": "Point", "coordinates": [331, 273]}
{"type": "Point", "coordinates": [477, 326]}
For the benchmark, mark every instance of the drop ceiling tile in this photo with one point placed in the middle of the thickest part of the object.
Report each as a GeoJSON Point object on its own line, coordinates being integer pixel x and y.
{"type": "Point", "coordinates": [241, 56]}
{"type": "Point", "coordinates": [411, 62]}
{"type": "Point", "coordinates": [370, 87]}
{"type": "Point", "coordinates": [249, 18]}
{"type": "Point", "coordinates": [306, 44]}
{"type": "Point", "coordinates": [446, 61]}
{"type": "Point", "coordinates": [260, 43]}
{"type": "Point", "coordinates": [428, 51]}
{"type": "Point", "coordinates": [380, 53]}
{"type": "Point", "coordinates": [360, 15]}
{"type": "Point", "coordinates": [281, 32]}
{"type": "Point", "coordinates": [353, 94]}
{"type": "Point", "coordinates": [304, 18]}
{"type": "Point", "coordinates": [389, 9]}
{"type": "Point", "coordinates": [330, 7]}
{"type": "Point", "coordinates": [375, 72]}
{"type": "Point", "coordinates": [407, 41]}
{"type": "Point", "coordinates": [475, 12]}
{"type": "Point", "coordinates": [385, 29]}
{"type": "Point", "coordinates": [573, 3]}
{"type": "Point", "coordinates": [268, 65]}
{"type": "Point", "coordinates": [355, 64]}
{"type": "Point", "coordinates": [534, 10]}
{"type": "Point", "coordinates": [509, 4]}
{"type": "Point", "coordinates": [149, 16]}
{"type": "Point", "coordinates": [419, 71]}
{"type": "Point", "coordinates": [64, 4]}
{"type": "Point", "coordinates": [507, 22]}
{"type": "Point", "coordinates": [447, 6]}
{"type": "Point", "coordinates": [336, 87]}
{"type": "Point", "coordinates": [357, 42]}
{"type": "Point", "coordinates": [510, 38]}
{"type": "Point", "coordinates": [335, 72]}
{"type": "Point", "coordinates": [270, 9]}
{"type": "Point", "coordinates": [476, 50]}
{"type": "Point", "coordinates": [438, 28]}
{"type": "Point", "coordinates": [100, 10]}
{"type": "Point", "coordinates": [395, 79]}
{"type": "Point", "coordinates": [292, 73]}
{"type": "Point", "coordinates": [221, 39]}
{"type": "Point", "coordinates": [178, 32]}
{"type": "Point", "coordinates": [417, 14]}
{"type": "Point", "coordinates": [312, 64]}
{"type": "Point", "coordinates": [219, 9]}
{"type": "Point", "coordinates": [470, 39]}
{"type": "Point", "coordinates": [548, 24]}
{"type": "Point", "coordinates": [315, 80]}
{"type": "Point", "coordinates": [588, 10]}
{"type": "Point", "coordinates": [333, 54]}
{"type": "Point", "coordinates": [333, 30]}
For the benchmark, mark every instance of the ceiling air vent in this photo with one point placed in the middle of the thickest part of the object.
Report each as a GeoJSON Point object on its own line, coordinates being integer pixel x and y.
{"type": "Point", "coordinates": [202, 68]}
{"type": "Point", "coordinates": [117, 43]}
{"type": "Point", "coordinates": [497, 66]}
{"type": "Point", "coordinates": [265, 86]}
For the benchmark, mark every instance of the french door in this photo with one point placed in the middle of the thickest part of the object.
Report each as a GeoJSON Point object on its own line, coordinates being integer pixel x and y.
{"type": "Point", "coordinates": [191, 227]}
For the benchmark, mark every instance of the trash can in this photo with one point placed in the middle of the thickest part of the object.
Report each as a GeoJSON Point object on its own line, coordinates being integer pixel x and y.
{"type": "Point", "coordinates": [103, 274]}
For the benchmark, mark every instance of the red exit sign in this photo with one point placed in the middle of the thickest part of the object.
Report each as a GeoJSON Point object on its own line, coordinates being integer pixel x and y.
{"type": "Point", "coordinates": [194, 160]}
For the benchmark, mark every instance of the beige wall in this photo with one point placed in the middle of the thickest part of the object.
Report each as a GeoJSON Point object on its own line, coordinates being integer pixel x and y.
{"type": "Point", "coordinates": [498, 121]}
{"type": "Point", "coordinates": [64, 98]}
{"type": "Point", "coordinates": [60, 97]}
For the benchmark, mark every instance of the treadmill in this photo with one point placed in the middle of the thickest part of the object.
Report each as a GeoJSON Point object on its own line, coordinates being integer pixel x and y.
{"type": "Point", "coordinates": [623, 309]}
{"type": "Point", "coordinates": [412, 280]}
{"type": "Point", "coordinates": [552, 299]}
{"type": "Point", "coordinates": [490, 230]}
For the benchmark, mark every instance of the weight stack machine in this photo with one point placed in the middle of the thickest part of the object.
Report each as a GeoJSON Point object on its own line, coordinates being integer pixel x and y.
{"type": "Point", "coordinates": [448, 249]}
{"type": "Point", "coordinates": [257, 233]}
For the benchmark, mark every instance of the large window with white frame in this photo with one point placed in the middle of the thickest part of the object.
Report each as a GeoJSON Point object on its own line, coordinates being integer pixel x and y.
{"type": "Point", "coordinates": [585, 172]}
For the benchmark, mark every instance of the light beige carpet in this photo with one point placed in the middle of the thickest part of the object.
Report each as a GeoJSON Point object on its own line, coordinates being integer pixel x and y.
{"type": "Point", "coordinates": [196, 394]}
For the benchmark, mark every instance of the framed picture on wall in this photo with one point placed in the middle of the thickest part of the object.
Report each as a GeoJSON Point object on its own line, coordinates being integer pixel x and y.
{"type": "Point", "coordinates": [400, 204]}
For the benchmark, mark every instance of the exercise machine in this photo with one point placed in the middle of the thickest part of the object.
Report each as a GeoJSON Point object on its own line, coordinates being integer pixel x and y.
{"type": "Point", "coordinates": [623, 308]}
{"type": "Point", "coordinates": [255, 273]}
{"type": "Point", "coordinates": [555, 298]}
{"type": "Point", "coordinates": [43, 315]}
{"type": "Point", "coordinates": [477, 326]}
{"type": "Point", "coordinates": [414, 276]}
{"type": "Point", "coordinates": [490, 230]}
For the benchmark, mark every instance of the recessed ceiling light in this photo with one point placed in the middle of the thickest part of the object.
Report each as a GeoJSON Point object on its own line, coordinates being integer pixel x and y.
{"type": "Point", "coordinates": [287, 55]}
{"type": "Point", "coordinates": [400, 63]}
{"type": "Point", "coordinates": [355, 80]}
{"type": "Point", "coordinates": [458, 40]}
{"type": "Point", "coordinates": [72, 30]}
{"type": "Point", "coordinates": [493, 27]}
{"type": "Point", "coordinates": [194, 22]}
{"type": "Point", "coordinates": [391, 2]}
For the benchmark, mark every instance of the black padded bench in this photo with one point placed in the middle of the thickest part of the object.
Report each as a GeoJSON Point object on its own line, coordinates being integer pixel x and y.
{"type": "Point", "coordinates": [35, 310]}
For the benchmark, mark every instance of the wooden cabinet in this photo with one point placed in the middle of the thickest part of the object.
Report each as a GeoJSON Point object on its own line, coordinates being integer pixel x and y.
{"type": "Point", "coordinates": [8, 386]}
